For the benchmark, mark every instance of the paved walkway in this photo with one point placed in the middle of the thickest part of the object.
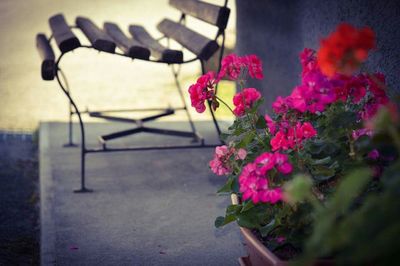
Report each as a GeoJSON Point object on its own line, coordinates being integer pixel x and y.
{"type": "Point", "coordinates": [148, 208]}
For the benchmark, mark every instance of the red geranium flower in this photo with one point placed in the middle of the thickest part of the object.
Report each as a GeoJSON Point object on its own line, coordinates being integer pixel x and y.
{"type": "Point", "coordinates": [345, 49]}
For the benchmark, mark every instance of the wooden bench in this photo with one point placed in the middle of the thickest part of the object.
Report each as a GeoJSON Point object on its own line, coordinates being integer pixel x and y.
{"type": "Point", "coordinates": [139, 46]}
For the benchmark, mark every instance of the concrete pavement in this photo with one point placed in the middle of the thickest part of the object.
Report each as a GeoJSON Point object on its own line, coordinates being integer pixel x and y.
{"type": "Point", "coordinates": [148, 208]}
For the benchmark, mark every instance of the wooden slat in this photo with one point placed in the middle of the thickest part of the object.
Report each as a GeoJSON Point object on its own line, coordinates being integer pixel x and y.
{"type": "Point", "coordinates": [65, 38]}
{"type": "Point", "coordinates": [98, 38]}
{"type": "Point", "coordinates": [207, 12]}
{"type": "Point", "coordinates": [48, 67]}
{"type": "Point", "coordinates": [200, 45]}
{"type": "Point", "coordinates": [157, 50]}
{"type": "Point", "coordinates": [129, 46]}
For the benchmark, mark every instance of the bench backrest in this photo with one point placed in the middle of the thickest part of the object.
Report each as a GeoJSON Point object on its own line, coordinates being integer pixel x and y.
{"type": "Point", "coordinates": [200, 45]}
{"type": "Point", "coordinates": [212, 14]}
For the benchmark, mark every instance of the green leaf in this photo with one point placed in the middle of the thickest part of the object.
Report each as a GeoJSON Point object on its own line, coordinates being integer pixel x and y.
{"type": "Point", "coordinates": [350, 187]}
{"type": "Point", "coordinates": [238, 131]}
{"type": "Point", "coordinates": [261, 124]}
{"type": "Point", "coordinates": [344, 119]}
{"type": "Point", "coordinates": [247, 206]}
{"type": "Point", "coordinates": [227, 187]}
{"type": "Point", "coordinates": [246, 140]}
{"type": "Point", "coordinates": [320, 148]}
{"type": "Point", "coordinates": [316, 147]}
{"type": "Point", "coordinates": [266, 229]}
{"type": "Point", "coordinates": [233, 209]}
{"type": "Point", "coordinates": [219, 222]}
{"type": "Point", "coordinates": [230, 215]}
{"type": "Point", "coordinates": [247, 221]}
{"type": "Point", "coordinates": [321, 161]}
{"type": "Point", "coordinates": [323, 173]}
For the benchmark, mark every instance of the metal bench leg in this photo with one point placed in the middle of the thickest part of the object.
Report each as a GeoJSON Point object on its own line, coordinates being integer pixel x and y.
{"type": "Point", "coordinates": [83, 188]}
{"type": "Point", "coordinates": [203, 70]}
{"type": "Point", "coordinates": [70, 142]}
{"type": "Point", "coordinates": [178, 86]}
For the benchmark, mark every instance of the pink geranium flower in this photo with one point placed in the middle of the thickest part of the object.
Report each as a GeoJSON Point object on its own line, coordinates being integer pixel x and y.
{"type": "Point", "coordinates": [231, 66]}
{"type": "Point", "coordinates": [248, 182]}
{"type": "Point", "coordinates": [374, 154]}
{"type": "Point", "coordinates": [361, 132]}
{"type": "Point", "coordinates": [244, 100]}
{"type": "Point", "coordinates": [241, 154]}
{"type": "Point", "coordinates": [308, 131]}
{"type": "Point", "coordinates": [272, 127]}
{"type": "Point", "coordinates": [202, 90]}
{"type": "Point", "coordinates": [220, 164]}
{"type": "Point", "coordinates": [296, 101]}
{"type": "Point", "coordinates": [280, 239]}
{"type": "Point", "coordinates": [282, 164]}
{"type": "Point", "coordinates": [280, 106]}
{"type": "Point", "coordinates": [279, 141]}
{"type": "Point", "coordinates": [271, 195]}
{"type": "Point", "coordinates": [292, 137]}
{"type": "Point", "coordinates": [254, 66]}
{"type": "Point", "coordinates": [197, 97]}
{"type": "Point", "coordinates": [255, 186]}
{"type": "Point", "coordinates": [266, 162]}
{"type": "Point", "coordinates": [307, 60]}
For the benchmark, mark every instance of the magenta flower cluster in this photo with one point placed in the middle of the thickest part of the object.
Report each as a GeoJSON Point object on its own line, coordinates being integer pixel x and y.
{"type": "Point", "coordinates": [291, 137]}
{"type": "Point", "coordinates": [202, 90]}
{"type": "Point", "coordinates": [317, 90]}
{"type": "Point", "coordinates": [244, 100]}
{"type": "Point", "coordinates": [254, 179]}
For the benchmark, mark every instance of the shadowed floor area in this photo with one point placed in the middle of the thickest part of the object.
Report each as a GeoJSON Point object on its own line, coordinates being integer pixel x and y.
{"type": "Point", "coordinates": [147, 208]}
{"type": "Point", "coordinates": [19, 219]}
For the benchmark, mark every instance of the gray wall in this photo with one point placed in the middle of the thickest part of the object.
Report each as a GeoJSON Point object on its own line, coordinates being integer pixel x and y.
{"type": "Point", "coordinates": [278, 30]}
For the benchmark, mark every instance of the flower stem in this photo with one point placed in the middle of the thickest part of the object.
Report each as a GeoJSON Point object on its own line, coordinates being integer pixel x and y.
{"type": "Point", "coordinates": [351, 143]}
{"type": "Point", "coordinates": [222, 101]}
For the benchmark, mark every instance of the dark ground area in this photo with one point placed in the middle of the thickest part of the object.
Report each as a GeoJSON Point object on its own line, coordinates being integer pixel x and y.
{"type": "Point", "coordinates": [19, 200]}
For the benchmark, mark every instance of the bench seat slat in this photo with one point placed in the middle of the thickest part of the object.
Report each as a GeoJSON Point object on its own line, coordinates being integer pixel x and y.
{"type": "Point", "coordinates": [157, 50]}
{"type": "Point", "coordinates": [200, 45]}
{"type": "Point", "coordinates": [98, 38]}
{"type": "Point", "coordinates": [48, 67]}
{"type": "Point", "coordinates": [65, 38]}
{"type": "Point", "coordinates": [213, 14]}
{"type": "Point", "coordinates": [129, 46]}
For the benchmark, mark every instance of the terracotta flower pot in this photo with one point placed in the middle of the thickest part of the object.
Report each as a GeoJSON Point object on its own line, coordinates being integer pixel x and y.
{"type": "Point", "coordinates": [259, 255]}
